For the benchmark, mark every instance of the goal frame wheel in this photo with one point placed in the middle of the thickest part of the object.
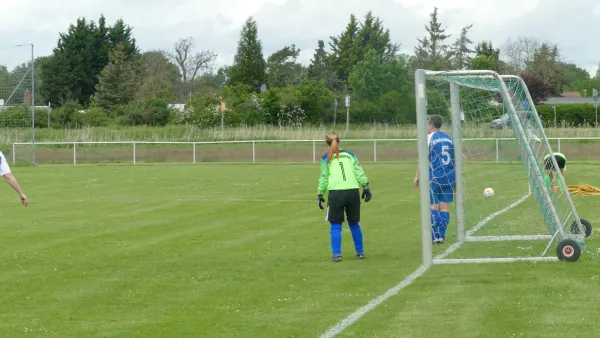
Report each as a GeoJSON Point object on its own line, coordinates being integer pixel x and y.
{"type": "Point", "coordinates": [586, 224]}
{"type": "Point", "coordinates": [568, 250]}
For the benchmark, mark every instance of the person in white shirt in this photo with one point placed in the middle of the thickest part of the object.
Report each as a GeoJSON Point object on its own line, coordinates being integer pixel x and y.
{"type": "Point", "coordinates": [10, 178]}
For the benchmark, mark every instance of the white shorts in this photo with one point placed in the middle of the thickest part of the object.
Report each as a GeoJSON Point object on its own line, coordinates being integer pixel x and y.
{"type": "Point", "coordinates": [4, 168]}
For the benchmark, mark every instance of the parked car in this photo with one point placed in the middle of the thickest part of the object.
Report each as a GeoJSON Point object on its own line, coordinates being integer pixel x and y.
{"type": "Point", "coordinates": [501, 122]}
{"type": "Point", "coordinates": [504, 120]}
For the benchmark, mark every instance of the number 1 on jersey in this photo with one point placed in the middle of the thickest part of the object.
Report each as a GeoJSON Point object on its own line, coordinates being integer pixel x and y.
{"type": "Point", "coordinates": [342, 168]}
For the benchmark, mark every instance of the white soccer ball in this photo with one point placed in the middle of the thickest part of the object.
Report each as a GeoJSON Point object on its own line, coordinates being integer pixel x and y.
{"type": "Point", "coordinates": [488, 192]}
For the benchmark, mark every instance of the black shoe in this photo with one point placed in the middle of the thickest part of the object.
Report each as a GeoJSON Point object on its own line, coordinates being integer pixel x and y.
{"type": "Point", "coordinates": [336, 259]}
{"type": "Point", "coordinates": [360, 256]}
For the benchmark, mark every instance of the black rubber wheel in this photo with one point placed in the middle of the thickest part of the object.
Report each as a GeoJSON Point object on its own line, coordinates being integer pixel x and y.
{"type": "Point", "coordinates": [568, 250]}
{"type": "Point", "coordinates": [586, 224]}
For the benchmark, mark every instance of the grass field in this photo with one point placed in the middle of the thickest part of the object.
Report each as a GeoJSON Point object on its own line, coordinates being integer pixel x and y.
{"type": "Point", "coordinates": [229, 250]}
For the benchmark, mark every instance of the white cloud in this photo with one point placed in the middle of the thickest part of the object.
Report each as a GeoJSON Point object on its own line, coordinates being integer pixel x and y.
{"type": "Point", "coordinates": [215, 24]}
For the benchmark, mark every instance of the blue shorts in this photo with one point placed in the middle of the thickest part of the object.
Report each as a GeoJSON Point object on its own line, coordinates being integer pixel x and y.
{"type": "Point", "coordinates": [441, 193]}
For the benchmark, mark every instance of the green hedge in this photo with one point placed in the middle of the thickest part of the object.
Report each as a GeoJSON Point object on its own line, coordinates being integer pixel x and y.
{"type": "Point", "coordinates": [567, 114]}
{"type": "Point", "coordinates": [154, 112]}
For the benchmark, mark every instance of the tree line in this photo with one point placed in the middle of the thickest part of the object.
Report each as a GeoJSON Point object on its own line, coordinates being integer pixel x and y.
{"type": "Point", "coordinates": [99, 68]}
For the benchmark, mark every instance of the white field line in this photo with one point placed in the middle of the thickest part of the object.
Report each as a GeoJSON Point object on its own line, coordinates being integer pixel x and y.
{"type": "Point", "coordinates": [480, 225]}
{"type": "Point", "coordinates": [356, 315]}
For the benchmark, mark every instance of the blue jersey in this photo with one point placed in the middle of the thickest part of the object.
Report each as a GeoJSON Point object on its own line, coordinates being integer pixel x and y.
{"type": "Point", "coordinates": [441, 159]}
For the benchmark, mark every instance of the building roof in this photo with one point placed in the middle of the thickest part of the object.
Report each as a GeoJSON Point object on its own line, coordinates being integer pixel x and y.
{"type": "Point", "coordinates": [569, 100]}
{"type": "Point", "coordinates": [570, 94]}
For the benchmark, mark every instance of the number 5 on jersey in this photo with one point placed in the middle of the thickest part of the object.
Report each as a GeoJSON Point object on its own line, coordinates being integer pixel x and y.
{"type": "Point", "coordinates": [445, 155]}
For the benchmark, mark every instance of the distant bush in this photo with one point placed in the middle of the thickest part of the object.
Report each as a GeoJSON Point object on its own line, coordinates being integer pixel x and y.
{"type": "Point", "coordinates": [575, 115]}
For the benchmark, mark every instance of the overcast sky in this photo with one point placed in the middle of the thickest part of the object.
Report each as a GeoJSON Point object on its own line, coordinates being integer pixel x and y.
{"type": "Point", "coordinates": [215, 24]}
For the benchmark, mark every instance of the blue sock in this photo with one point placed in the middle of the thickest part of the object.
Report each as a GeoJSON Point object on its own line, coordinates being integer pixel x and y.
{"type": "Point", "coordinates": [336, 238]}
{"type": "Point", "coordinates": [443, 224]}
{"type": "Point", "coordinates": [357, 237]}
{"type": "Point", "coordinates": [435, 221]}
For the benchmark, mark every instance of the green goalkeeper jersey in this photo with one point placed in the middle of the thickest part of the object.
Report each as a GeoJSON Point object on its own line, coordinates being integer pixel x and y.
{"type": "Point", "coordinates": [547, 181]}
{"type": "Point", "coordinates": [343, 173]}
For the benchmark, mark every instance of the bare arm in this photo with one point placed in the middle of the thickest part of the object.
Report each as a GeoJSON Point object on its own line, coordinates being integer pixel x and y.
{"type": "Point", "coordinates": [12, 181]}
{"type": "Point", "coordinates": [416, 180]}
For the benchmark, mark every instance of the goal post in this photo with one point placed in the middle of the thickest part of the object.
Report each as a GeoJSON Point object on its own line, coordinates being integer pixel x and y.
{"type": "Point", "coordinates": [476, 106]}
{"type": "Point", "coordinates": [17, 101]}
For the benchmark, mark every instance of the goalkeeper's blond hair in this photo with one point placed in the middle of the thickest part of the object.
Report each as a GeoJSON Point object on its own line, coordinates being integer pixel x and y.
{"type": "Point", "coordinates": [333, 140]}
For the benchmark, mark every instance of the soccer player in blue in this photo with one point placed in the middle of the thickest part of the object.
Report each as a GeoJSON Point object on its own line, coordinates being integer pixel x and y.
{"type": "Point", "coordinates": [342, 175]}
{"type": "Point", "coordinates": [441, 176]}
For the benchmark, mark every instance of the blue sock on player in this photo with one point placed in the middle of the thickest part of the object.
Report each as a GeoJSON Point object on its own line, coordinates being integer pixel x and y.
{"type": "Point", "coordinates": [435, 223]}
{"type": "Point", "coordinates": [357, 237]}
{"type": "Point", "coordinates": [336, 239]}
{"type": "Point", "coordinates": [443, 224]}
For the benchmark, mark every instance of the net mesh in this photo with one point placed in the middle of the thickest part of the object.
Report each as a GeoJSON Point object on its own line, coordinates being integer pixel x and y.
{"type": "Point", "coordinates": [504, 147]}
{"type": "Point", "coordinates": [16, 100]}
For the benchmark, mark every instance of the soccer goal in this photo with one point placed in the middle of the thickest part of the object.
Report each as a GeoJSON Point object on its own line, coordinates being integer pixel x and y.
{"type": "Point", "coordinates": [499, 143]}
{"type": "Point", "coordinates": [17, 101]}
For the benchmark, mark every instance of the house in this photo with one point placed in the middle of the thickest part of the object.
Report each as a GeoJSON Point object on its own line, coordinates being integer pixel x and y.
{"type": "Point", "coordinates": [570, 95]}
{"type": "Point", "coordinates": [569, 98]}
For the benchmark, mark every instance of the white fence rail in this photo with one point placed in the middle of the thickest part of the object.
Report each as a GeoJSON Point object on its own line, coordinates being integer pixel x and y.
{"type": "Point", "coordinates": [252, 151]}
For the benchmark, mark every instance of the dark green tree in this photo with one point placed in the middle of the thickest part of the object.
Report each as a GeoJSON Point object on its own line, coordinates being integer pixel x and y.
{"type": "Point", "coordinates": [483, 62]}
{"type": "Point", "coordinates": [372, 78]}
{"type": "Point", "coordinates": [432, 52]}
{"type": "Point", "coordinates": [461, 50]}
{"type": "Point", "coordinates": [249, 65]}
{"type": "Point", "coordinates": [315, 99]}
{"type": "Point", "coordinates": [78, 58]}
{"type": "Point", "coordinates": [487, 57]}
{"type": "Point", "coordinates": [121, 34]}
{"type": "Point", "coordinates": [486, 48]}
{"type": "Point", "coordinates": [573, 74]}
{"type": "Point", "coordinates": [383, 91]}
{"type": "Point", "coordinates": [118, 83]}
{"type": "Point", "coordinates": [545, 67]}
{"type": "Point", "coordinates": [350, 47]}
{"type": "Point", "coordinates": [283, 69]}
{"type": "Point", "coordinates": [320, 69]}
{"type": "Point", "coordinates": [344, 51]}
{"type": "Point", "coordinates": [368, 79]}
{"type": "Point", "coordinates": [372, 35]}
{"type": "Point", "coordinates": [271, 106]}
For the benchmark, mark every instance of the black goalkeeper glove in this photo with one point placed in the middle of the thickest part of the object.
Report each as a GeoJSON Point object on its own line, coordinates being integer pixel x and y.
{"type": "Point", "coordinates": [366, 194]}
{"type": "Point", "coordinates": [320, 201]}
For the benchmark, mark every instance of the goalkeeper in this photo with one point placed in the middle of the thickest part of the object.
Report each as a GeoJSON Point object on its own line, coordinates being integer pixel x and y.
{"type": "Point", "coordinates": [342, 175]}
{"type": "Point", "coordinates": [441, 176]}
{"type": "Point", "coordinates": [549, 169]}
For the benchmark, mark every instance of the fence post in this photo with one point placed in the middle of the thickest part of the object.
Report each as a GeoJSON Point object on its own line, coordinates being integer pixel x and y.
{"type": "Point", "coordinates": [74, 153]}
{"type": "Point", "coordinates": [497, 152]}
{"type": "Point", "coordinates": [14, 154]}
{"type": "Point", "coordinates": [253, 151]}
{"type": "Point", "coordinates": [134, 153]}
{"type": "Point", "coordinates": [314, 151]}
{"type": "Point", "coordinates": [374, 150]}
{"type": "Point", "coordinates": [559, 145]}
{"type": "Point", "coordinates": [194, 154]}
